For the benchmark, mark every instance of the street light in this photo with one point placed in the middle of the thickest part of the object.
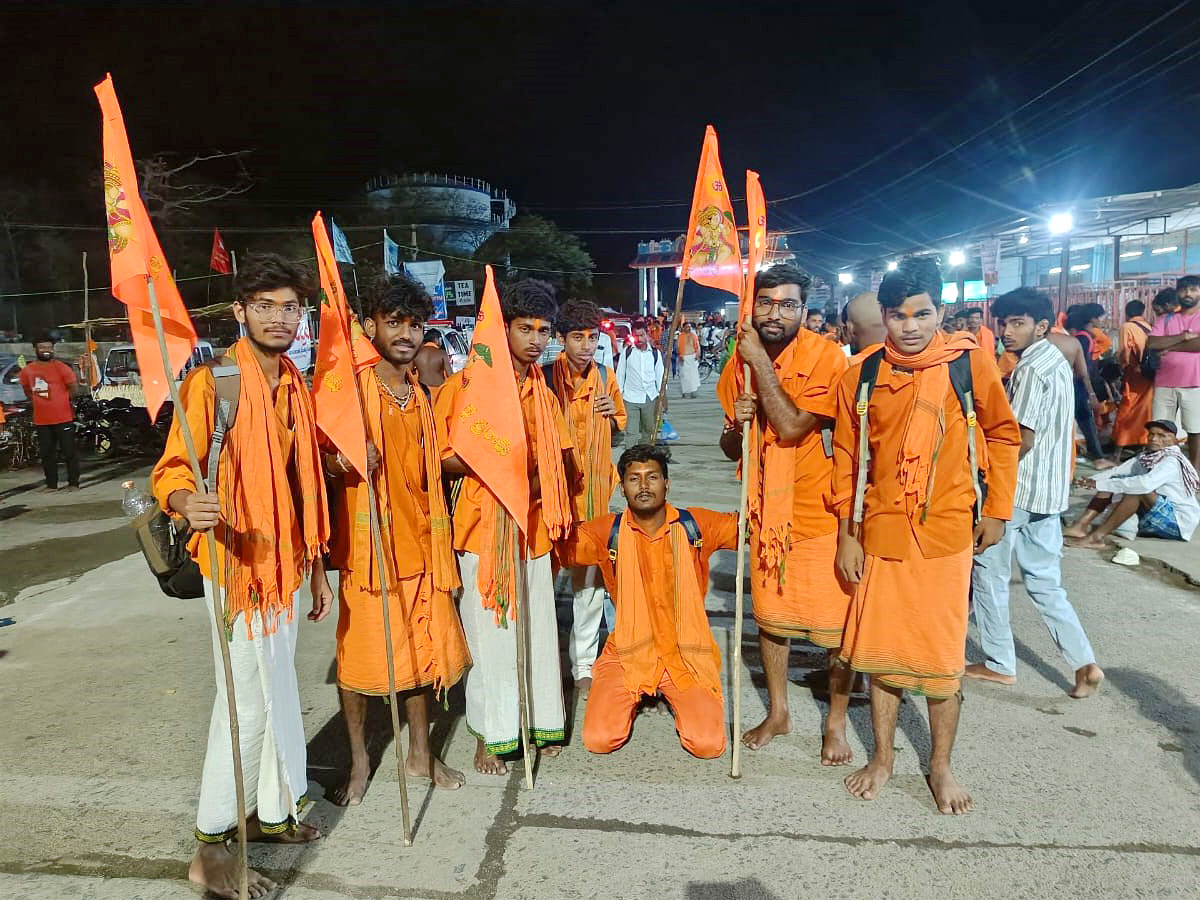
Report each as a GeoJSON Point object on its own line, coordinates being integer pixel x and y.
{"type": "Point", "coordinates": [1023, 239]}
{"type": "Point", "coordinates": [845, 278]}
{"type": "Point", "coordinates": [1061, 223]}
{"type": "Point", "coordinates": [893, 266]}
{"type": "Point", "coordinates": [957, 258]}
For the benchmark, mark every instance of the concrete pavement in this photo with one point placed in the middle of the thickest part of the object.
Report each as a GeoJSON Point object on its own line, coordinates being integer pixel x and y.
{"type": "Point", "coordinates": [107, 689]}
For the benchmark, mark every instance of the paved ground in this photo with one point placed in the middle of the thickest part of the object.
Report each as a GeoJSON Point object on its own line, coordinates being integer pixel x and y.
{"type": "Point", "coordinates": [107, 687]}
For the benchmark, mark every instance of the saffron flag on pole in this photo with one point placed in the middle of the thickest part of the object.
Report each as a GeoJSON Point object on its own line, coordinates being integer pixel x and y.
{"type": "Point", "coordinates": [220, 261]}
{"type": "Point", "coordinates": [342, 352]}
{"type": "Point", "coordinates": [341, 246]}
{"type": "Point", "coordinates": [711, 255]}
{"type": "Point", "coordinates": [136, 258]}
{"type": "Point", "coordinates": [487, 428]}
{"type": "Point", "coordinates": [756, 217]}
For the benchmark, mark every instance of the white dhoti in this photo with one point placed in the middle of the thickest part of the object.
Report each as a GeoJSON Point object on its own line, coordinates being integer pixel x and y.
{"type": "Point", "coordinates": [493, 710]}
{"type": "Point", "coordinates": [689, 373]}
{"type": "Point", "coordinates": [588, 608]}
{"type": "Point", "coordinates": [271, 729]}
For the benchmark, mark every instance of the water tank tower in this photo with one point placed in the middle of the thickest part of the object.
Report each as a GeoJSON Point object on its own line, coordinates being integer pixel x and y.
{"type": "Point", "coordinates": [450, 212]}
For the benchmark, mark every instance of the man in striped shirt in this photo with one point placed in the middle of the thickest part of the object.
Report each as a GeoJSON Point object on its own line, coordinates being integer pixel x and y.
{"type": "Point", "coordinates": [1042, 395]}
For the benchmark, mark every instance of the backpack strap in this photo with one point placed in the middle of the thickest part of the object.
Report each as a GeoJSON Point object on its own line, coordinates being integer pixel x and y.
{"type": "Point", "coordinates": [866, 383]}
{"type": "Point", "coordinates": [603, 370]}
{"type": "Point", "coordinates": [227, 380]}
{"type": "Point", "coordinates": [612, 538]}
{"type": "Point", "coordinates": [688, 521]}
{"type": "Point", "coordinates": [963, 383]}
{"type": "Point", "coordinates": [548, 374]}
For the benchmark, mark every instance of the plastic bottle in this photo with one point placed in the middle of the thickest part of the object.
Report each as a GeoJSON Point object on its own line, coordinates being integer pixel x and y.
{"type": "Point", "coordinates": [136, 501]}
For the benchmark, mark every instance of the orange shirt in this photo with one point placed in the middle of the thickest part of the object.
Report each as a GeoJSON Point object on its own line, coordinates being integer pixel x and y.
{"type": "Point", "coordinates": [466, 511]}
{"type": "Point", "coordinates": [987, 340]}
{"type": "Point", "coordinates": [579, 410]}
{"type": "Point", "coordinates": [173, 472]}
{"type": "Point", "coordinates": [405, 504]}
{"type": "Point", "coordinates": [1101, 342]}
{"type": "Point", "coordinates": [656, 563]}
{"type": "Point", "coordinates": [1133, 341]}
{"type": "Point", "coordinates": [891, 523]}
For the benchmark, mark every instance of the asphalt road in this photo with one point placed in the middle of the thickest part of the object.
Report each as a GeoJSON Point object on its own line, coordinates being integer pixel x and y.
{"type": "Point", "coordinates": [106, 689]}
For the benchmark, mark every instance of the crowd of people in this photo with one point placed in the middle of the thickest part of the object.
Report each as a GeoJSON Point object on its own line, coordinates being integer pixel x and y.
{"type": "Point", "coordinates": [886, 488]}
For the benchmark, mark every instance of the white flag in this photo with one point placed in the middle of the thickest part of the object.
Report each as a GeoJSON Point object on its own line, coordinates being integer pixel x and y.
{"type": "Point", "coordinates": [341, 247]}
{"type": "Point", "coordinates": [391, 255]}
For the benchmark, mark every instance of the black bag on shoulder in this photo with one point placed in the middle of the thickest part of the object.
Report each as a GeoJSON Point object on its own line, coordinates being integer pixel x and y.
{"type": "Point", "coordinates": [163, 544]}
{"type": "Point", "coordinates": [1151, 359]}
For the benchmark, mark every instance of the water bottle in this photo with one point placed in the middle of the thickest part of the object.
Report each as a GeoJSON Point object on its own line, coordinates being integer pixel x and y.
{"type": "Point", "coordinates": [136, 501]}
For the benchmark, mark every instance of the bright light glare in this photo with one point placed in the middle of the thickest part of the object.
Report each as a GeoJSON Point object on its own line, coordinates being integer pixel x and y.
{"type": "Point", "coordinates": [1023, 239]}
{"type": "Point", "coordinates": [1082, 267]}
{"type": "Point", "coordinates": [845, 278]}
{"type": "Point", "coordinates": [1061, 223]}
{"type": "Point", "coordinates": [957, 257]}
{"type": "Point", "coordinates": [893, 266]}
{"type": "Point", "coordinates": [1132, 254]}
{"type": "Point", "coordinates": [1164, 249]}
{"type": "Point", "coordinates": [1056, 270]}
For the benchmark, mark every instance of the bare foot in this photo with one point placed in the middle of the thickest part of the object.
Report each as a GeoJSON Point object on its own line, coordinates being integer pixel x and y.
{"type": "Point", "coordinates": [1087, 681]}
{"type": "Point", "coordinates": [835, 751]}
{"type": "Point", "coordinates": [583, 687]}
{"type": "Point", "coordinates": [433, 769]}
{"type": "Point", "coordinates": [355, 788]}
{"type": "Point", "coordinates": [217, 869]}
{"type": "Point", "coordinates": [770, 727]}
{"type": "Point", "coordinates": [299, 833]}
{"type": "Point", "coordinates": [1075, 531]}
{"type": "Point", "coordinates": [950, 796]}
{"type": "Point", "coordinates": [1091, 542]}
{"type": "Point", "coordinates": [487, 763]}
{"type": "Point", "coordinates": [867, 782]}
{"type": "Point", "coordinates": [550, 751]}
{"type": "Point", "coordinates": [983, 673]}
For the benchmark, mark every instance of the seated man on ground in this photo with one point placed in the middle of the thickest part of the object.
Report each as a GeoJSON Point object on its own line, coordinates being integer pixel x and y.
{"type": "Point", "coordinates": [654, 559]}
{"type": "Point", "coordinates": [1159, 485]}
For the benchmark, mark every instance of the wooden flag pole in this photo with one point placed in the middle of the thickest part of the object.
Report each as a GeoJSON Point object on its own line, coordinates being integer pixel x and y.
{"type": "Point", "coordinates": [522, 623]}
{"type": "Point", "coordinates": [87, 327]}
{"type": "Point", "coordinates": [735, 767]}
{"type": "Point", "coordinates": [391, 660]}
{"type": "Point", "coordinates": [660, 407]}
{"type": "Point", "coordinates": [218, 606]}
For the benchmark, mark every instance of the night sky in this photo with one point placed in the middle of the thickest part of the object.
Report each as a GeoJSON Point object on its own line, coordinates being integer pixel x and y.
{"type": "Point", "coordinates": [592, 114]}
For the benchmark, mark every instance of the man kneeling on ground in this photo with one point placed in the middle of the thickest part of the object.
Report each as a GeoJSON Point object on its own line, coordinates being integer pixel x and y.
{"type": "Point", "coordinates": [654, 559]}
{"type": "Point", "coordinates": [1159, 485]}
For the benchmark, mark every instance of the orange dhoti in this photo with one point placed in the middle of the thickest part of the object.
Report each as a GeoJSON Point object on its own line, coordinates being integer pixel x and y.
{"type": "Point", "coordinates": [1137, 400]}
{"type": "Point", "coordinates": [611, 706]}
{"type": "Point", "coordinates": [907, 626]}
{"type": "Point", "coordinates": [435, 656]}
{"type": "Point", "coordinates": [810, 601]}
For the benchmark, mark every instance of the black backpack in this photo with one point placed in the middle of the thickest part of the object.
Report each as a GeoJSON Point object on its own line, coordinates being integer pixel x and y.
{"type": "Point", "coordinates": [964, 389]}
{"type": "Point", "coordinates": [686, 519]}
{"type": "Point", "coordinates": [1151, 359]}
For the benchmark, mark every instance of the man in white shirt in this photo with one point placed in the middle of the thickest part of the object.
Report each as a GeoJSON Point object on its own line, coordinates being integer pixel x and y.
{"type": "Point", "coordinates": [639, 376]}
{"type": "Point", "coordinates": [1159, 485]}
{"type": "Point", "coordinates": [1042, 393]}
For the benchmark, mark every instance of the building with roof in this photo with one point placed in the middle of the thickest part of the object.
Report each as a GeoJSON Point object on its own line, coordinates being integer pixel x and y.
{"type": "Point", "coordinates": [450, 212]}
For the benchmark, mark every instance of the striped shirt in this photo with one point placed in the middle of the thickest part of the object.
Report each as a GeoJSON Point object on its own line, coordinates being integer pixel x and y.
{"type": "Point", "coordinates": [1042, 393]}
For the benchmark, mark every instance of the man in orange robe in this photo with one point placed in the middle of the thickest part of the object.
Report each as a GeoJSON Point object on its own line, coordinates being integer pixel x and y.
{"type": "Point", "coordinates": [911, 555]}
{"type": "Point", "coordinates": [1137, 392]}
{"type": "Point", "coordinates": [270, 520]}
{"type": "Point", "coordinates": [790, 406]}
{"type": "Point", "coordinates": [492, 690]}
{"type": "Point", "coordinates": [594, 410]}
{"type": "Point", "coordinates": [657, 573]}
{"type": "Point", "coordinates": [428, 646]}
{"type": "Point", "coordinates": [984, 336]}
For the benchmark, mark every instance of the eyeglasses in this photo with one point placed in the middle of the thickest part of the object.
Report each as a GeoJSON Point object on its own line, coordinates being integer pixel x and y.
{"type": "Point", "coordinates": [268, 311]}
{"type": "Point", "coordinates": [787, 308]}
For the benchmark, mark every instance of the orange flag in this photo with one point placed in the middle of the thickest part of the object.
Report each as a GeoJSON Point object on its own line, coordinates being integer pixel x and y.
{"type": "Point", "coordinates": [487, 429]}
{"type": "Point", "coordinates": [756, 217]}
{"type": "Point", "coordinates": [711, 255]}
{"type": "Point", "coordinates": [137, 260]}
{"type": "Point", "coordinates": [342, 352]}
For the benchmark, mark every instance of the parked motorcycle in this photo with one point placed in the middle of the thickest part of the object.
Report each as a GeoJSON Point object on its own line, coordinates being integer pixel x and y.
{"type": "Point", "coordinates": [108, 427]}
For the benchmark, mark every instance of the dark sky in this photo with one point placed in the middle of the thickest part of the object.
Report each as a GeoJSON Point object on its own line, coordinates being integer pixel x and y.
{"type": "Point", "coordinates": [578, 106]}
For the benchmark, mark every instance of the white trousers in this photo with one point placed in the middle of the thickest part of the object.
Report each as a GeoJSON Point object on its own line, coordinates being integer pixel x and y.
{"type": "Point", "coordinates": [493, 710]}
{"type": "Point", "coordinates": [585, 627]}
{"type": "Point", "coordinates": [274, 752]}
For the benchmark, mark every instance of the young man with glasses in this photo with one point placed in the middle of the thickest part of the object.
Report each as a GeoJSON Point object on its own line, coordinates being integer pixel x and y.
{"type": "Point", "coordinates": [270, 520]}
{"type": "Point", "coordinates": [790, 405]}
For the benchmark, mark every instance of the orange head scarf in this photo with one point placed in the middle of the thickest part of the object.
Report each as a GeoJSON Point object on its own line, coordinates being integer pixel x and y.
{"type": "Point", "coordinates": [926, 420]}
{"type": "Point", "coordinates": [259, 560]}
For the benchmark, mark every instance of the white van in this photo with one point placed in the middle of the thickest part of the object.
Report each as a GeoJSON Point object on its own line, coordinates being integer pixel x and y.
{"type": "Point", "coordinates": [121, 366]}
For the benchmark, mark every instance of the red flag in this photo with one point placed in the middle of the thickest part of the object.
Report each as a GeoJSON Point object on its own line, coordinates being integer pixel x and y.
{"type": "Point", "coordinates": [487, 429]}
{"type": "Point", "coordinates": [220, 262]}
{"type": "Point", "coordinates": [711, 255]}
{"type": "Point", "coordinates": [137, 261]}
{"type": "Point", "coordinates": [341, 354]}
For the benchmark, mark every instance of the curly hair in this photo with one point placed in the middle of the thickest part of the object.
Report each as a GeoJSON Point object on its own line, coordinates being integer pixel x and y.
{"type": "Point", "coordinates": [645, 453]}
{"type": "Point", "coordinates": [577, 315]}
{"type": "Point", "coordinates": [269, 272]}
{"type": "Point", "coordinates": [402, 297]}
{"type": "Point", "coordinates": [528, 299]}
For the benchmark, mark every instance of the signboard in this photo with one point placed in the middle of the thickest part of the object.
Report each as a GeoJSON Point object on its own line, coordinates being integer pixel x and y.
{"type": "Point", "coordinates": [464, 292]}
{"type": "Point", "coordinates": [989, 260]}
{"type": "Point", "coordinates": [431, 274]}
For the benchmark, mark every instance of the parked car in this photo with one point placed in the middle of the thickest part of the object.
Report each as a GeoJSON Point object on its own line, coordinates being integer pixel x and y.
{"type": "Point", "coordinates": [121, 367]}
{"type": "Point", "coordinates": [10, 381]}
{"type": "Point", "coordinates": [452, 341]}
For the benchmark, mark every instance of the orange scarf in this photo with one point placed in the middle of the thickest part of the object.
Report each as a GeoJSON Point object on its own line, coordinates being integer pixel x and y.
{"type": "Point", "coordinates": [926, 420]}
{"type": "Point", "coordinates": [260, 558]}
{"type": "Point", "coordinates": [442, 564]}
{"type": "Point", "coordinates": [498, 532]}
{"type": "Point", "coordinates": [599, 476]}
{"type": "Point", "coordinates": [645, 638]}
